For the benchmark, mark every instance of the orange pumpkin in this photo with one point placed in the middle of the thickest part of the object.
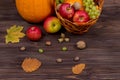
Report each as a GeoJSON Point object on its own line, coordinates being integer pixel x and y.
{"type": "Point", "coordinates": [73, 1]}
{"type": "Point", "coordinates": [34, 10]}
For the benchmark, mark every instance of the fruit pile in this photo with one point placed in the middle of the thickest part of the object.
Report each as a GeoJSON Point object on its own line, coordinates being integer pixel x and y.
{"type": "Point", "coordinates": [78, 11]}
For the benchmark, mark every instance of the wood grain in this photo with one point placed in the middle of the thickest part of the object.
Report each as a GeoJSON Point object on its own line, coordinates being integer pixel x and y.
{"type": "Point", "coordinates": [102, 55]}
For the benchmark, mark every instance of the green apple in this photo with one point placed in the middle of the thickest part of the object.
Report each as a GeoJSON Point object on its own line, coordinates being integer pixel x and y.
{"type": "Point", "coordinates": [52, 24]}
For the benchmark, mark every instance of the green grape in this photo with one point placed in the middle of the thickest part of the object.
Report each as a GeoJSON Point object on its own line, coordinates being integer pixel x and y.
{"type": "Point", "coordinates": [88, 1]}
{"type": "Point", "coordinates": [90, 10]}
{"type": "Point", "coordinates": [89, 13]}
{"type": "Point", "coordinates": [93, 8]}
{"type": "Point", "coordinates": [92, 13]}
{"type": "Point", "coordinates": [93, 17]}
{"type": "Point", "coordinates": [87, 9]}
{"type": "Point", "coordinates": [97, 13]}
{"type": "Point", "coordinates": [91, 0]}
{"type": "Point", "coordinates": [86, 4]}
{"type": "Point", "coordinates": [84, 1]}
{"type": "Point", "coordinates": [92, 3]}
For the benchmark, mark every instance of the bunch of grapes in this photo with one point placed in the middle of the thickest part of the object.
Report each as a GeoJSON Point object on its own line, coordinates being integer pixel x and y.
{"type": "Point", "coordinates": [91, 8]}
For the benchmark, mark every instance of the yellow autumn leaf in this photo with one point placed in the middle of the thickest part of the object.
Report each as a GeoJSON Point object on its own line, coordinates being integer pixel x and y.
{"type": "Point", "coordinates": [14, 33]}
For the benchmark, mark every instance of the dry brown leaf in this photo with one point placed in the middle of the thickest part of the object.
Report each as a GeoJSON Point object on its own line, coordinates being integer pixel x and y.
{"type": "Point", "coordinates": [77, 69]}
{"type": "Point", "coordinates": [31, 64]}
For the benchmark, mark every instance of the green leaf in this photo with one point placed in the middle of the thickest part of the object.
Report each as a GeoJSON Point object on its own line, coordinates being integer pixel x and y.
{"type": "Point", "coordinates": [59, 1]}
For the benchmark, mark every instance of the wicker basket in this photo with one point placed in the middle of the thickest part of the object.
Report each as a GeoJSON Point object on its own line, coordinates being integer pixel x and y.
{"type": "Point", "coordinates": [79, 28]}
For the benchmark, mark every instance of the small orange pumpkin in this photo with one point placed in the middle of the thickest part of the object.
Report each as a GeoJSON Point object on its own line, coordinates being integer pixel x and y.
{"type": "Point", "coordinates": [34, 10]}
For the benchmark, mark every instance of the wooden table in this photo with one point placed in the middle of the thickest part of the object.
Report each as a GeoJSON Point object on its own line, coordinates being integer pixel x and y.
{"type": "Point", "coordinates": [102, 55]}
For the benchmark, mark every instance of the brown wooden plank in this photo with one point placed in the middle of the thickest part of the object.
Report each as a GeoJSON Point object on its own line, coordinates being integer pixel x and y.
{"type": "Point", "coordinates": [102, 55]}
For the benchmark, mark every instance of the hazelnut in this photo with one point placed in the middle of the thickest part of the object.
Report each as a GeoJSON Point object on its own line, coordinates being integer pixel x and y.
{"type": "Point", "coordinates": [59, 60]}
{"type": "Point", "coordinates": [67, 39]}
{"type": "Point", "coordinates": [22, 48]}
{"type": "Point", "coordinates": [76, 58]}
{"type": "Point", "coordinates": [62, 35]}
{"type": "Point", "coordinates": [60, 40]}
{"type": "Point", "coordinates": [48, 43]}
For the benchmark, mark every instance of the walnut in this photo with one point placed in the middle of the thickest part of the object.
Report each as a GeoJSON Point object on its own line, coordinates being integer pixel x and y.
{"type": "Point", "coordinates": [81, 44]}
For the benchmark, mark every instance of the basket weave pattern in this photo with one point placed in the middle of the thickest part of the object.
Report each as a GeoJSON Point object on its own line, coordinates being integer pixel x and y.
{"type": "Point", "coordinates": [79, 28]}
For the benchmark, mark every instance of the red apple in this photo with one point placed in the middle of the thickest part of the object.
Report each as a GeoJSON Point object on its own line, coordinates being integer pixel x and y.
{"type": "Point", "coordinates": [52, 24]}
{"type": "Point", "coordinates": [34, 33]}
{"type": "Point", "coordinates": [66, 10]}
{"type": "Point", "coordinates": [81, 16]}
